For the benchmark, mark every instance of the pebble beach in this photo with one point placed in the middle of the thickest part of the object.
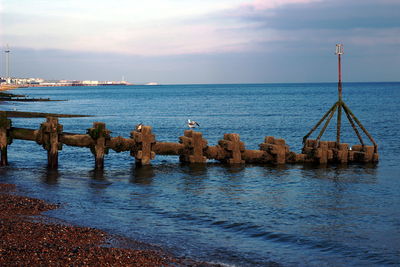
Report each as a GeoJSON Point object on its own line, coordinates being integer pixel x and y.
{"type": "Point", "coordinates": [28, 238]}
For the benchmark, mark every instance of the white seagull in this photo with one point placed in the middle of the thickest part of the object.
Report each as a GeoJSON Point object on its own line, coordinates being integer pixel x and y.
{"type": "Point", "coordinates": [192, 124]}
{"type": "Point", "coordinates": [138, 127]}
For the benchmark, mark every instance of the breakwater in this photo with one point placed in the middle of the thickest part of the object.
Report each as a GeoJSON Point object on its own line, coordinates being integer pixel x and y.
{"type": "Point", "coordinates": [294, 214]}
{"type": "Point", "coordinates": [191, 148]}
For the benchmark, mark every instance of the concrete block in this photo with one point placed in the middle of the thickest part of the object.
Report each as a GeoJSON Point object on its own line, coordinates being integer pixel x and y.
{"type": "Point", "coordinates": [311, 143]}
{"type": "Point", "coordinates": [351, 156]}
{"type": "Point", "coordinates": [279, 142]}
{"type": "Point", "coordinates": [330, 154]}
{"type": "Point", "coordinates": [269, 139]}
{"type": "Point", "coordinates": [300, 158]}
{"type": "Point", "coordinates": [359, 156]}
{"type": "Point", "coordinates": [309, 151]}
{"type": "Point", "coordinates": [343, 146]}
{"type": "Point", "coordinates": [331, 144]}
{"type": "Point", "coordinates": [369, 153]}
{"type": "Point", "coordinates": [323, 145]}
{"type": "Point", "coordinates": [342, 156]}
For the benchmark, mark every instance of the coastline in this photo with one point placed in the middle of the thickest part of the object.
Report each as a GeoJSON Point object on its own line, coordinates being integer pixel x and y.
{"type": "Point", "coordinates": [30, 238]}
{"type": "Point", "coordinates": [5, 87]}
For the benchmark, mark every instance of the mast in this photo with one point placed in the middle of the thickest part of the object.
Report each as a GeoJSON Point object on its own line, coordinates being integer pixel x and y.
{"type": "Point", "coordinates": [7, 51]}
{"type": "Point", "coordinates": [339, 52]}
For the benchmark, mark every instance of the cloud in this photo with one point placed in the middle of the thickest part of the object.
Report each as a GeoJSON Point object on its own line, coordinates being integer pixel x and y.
{"type": "Point", "coordinates": [270, 4]}
{"type": "Point", "coordinates": [310, 26]}
{"type": "Point", "coordinates": [211, 41]}
{"type": "Point", "coordinates": [151, 27]}
{"type": "Point", "coordinates": [191, 27]}
{"type": "Point", "coordinates": [339, 14]}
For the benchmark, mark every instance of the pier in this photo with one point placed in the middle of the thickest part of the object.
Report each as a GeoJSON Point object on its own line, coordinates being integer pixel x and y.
{"type": "Point", "coordinates": [191, 148]}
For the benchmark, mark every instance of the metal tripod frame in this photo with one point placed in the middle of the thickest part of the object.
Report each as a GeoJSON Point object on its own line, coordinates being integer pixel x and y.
{"type": "Point", "coordinates": [339, 105]}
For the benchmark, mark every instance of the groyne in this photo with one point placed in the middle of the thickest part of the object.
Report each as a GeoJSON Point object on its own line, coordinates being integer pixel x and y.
{"type": "Point", "coordinates": [191, 148]}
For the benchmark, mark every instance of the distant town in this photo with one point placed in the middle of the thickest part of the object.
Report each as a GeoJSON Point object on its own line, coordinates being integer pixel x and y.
{"type": "Point", "coordinates": [39, 82]}
{"type": "Point", "coordinates": [9, 82]}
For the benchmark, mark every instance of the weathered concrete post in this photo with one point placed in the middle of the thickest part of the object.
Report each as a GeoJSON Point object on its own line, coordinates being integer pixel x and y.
{"type": "Point", "coordinates": [144, 141]}
{"type": "Point", "coordinates": [363, 154]}
{"type": "Point", "coordinates": [343, 153]}
{"type": "Point", "coordinates": [234, 148]}
{"type": "Point", "coordinates": [100, 135]}
{"type": "Point", "coordinates": [277, 148]}
{"type": "Point", "coordinates": [5, 139]}
{"type": "Point", "coordinates": [194, 149]}
{"type": "Point", "coordinates": [49, 136]}
{"type": "Point", "coordinates": [321, 152]}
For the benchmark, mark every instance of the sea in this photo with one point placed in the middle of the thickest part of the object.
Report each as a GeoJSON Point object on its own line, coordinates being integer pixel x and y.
{"type": "Point", "coordinates": [246, 215]}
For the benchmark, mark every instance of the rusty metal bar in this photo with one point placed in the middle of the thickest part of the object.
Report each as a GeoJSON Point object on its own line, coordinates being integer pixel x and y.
{"type": "Point", "coordinates": [339, 122]}
{"type": "Point", "coordinates": [326, 123]}
{"type": "Point", "coordinates": [362, 127]}
{"type": "Point", "coordinates": [318, 123]}
{"type": "Point", "coordinates": [340, 77]}
{"type": "Point", "coordinates": [354, 127]}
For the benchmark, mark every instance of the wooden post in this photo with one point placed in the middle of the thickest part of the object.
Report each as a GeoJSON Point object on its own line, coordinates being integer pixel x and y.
{"type": "Point", "coordinates": [5, 139]}
{"type": "Point", "coordinates": [144, 141]}
{"type": "Point", "coordinates": [3, 147]}
{"type": "Point", "coordinates": [234, 148]}
{"type": "Point", "coordinates": [100, 135]}
{"type": "Point", "coordinates": [194, 147]}
{"type": "Point", "coordinates": [49, 135]}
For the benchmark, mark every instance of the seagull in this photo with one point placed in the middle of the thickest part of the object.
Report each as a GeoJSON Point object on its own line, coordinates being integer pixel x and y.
{"type": "Point", "coordinates": [192, 124]}
{"type": "Point", "coordinates": [138, 127]}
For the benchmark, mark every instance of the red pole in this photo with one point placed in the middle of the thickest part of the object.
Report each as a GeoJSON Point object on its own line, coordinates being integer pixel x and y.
{"type": "Point", "coordinates": [340, 77]}
{"type": "Point", "coordinates": [339, 103]}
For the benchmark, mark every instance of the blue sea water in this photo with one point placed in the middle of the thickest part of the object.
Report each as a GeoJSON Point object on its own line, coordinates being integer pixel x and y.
{"type": "Point", "coordinates": [250, 215]}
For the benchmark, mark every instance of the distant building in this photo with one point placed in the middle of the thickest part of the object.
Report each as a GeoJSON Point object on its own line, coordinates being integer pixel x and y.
{"type": "Point", "coordinates": [37, 82]}
{"type": "Point", "coordinates": [93, 83]}
{"type": "Point", "coordinates": [151, 83]}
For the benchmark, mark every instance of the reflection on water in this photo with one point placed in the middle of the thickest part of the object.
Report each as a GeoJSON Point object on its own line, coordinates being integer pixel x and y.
{"type": "Point", "coordinates": [343, 174]}
{"type": "Point", "coordinates": [235, 168]}
{"type": "Point", "coordinates": [276, 170]}
{"type": "Point", "coordinates": [142, 175]}
{"type": "Point", "coordinates": [50, 176]}
{"type": "Point", "coordinates": [97, 175]}
{"type": "Point", "coordinates": [195, 170]}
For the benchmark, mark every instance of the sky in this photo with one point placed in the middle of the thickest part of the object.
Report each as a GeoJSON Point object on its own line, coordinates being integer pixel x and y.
{"type": "Point", "coordinates": [201, 41]}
